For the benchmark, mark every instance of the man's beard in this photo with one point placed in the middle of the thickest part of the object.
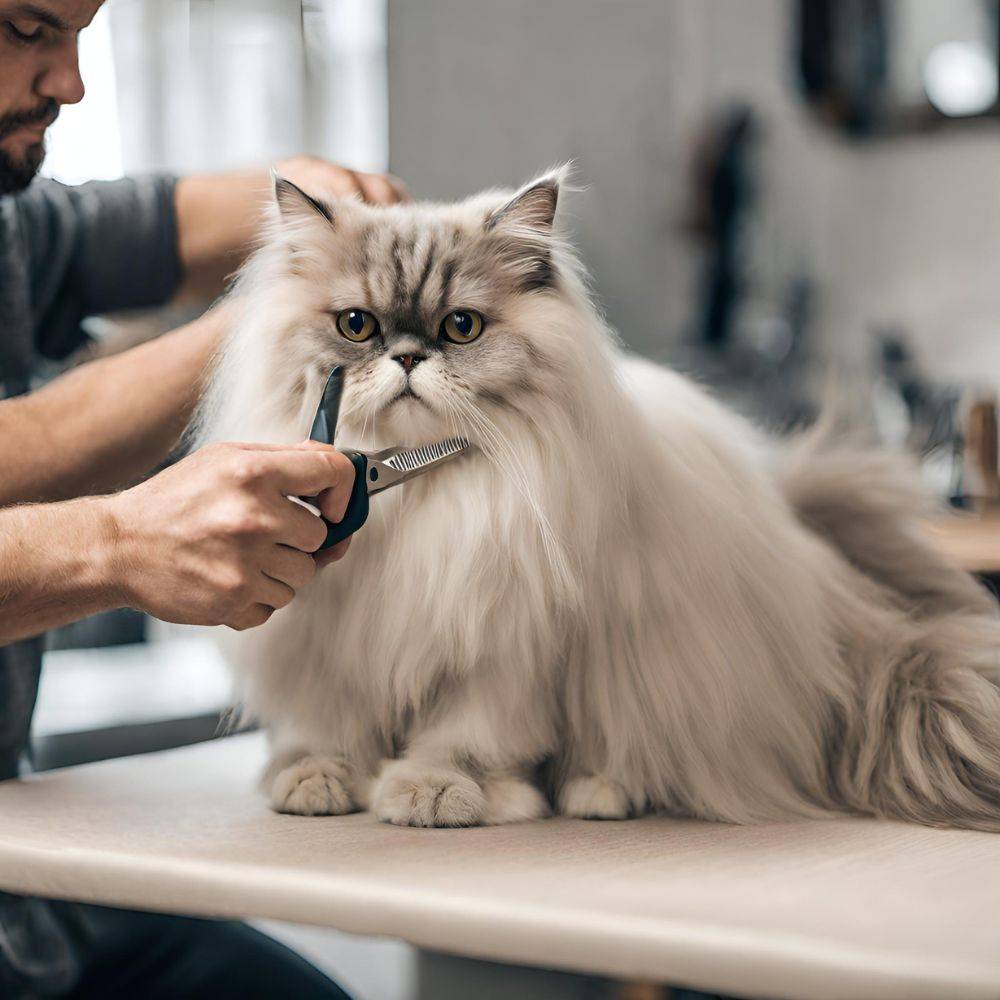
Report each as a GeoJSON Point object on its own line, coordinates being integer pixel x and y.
{"type": "Point", "coordinates": [15, 175]}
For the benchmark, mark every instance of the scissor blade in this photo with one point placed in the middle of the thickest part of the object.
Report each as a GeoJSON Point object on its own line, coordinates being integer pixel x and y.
{"type": "Point", "coordinates": [408, 463]}
{"type": "Point", "coordinates": [324, 427]}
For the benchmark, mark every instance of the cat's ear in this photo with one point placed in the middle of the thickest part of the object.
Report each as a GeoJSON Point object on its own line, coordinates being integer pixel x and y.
{"type": "Point", "coordinates": [533, 207]}
{"type": "Point", "coordinates": [294, 204]}
{"type": "Point", "coordinates": [522, 229]}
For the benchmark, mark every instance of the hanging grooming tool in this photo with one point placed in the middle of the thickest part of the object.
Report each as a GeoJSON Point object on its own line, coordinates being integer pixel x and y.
{"type": "Point", "coordinates": [373, 471]}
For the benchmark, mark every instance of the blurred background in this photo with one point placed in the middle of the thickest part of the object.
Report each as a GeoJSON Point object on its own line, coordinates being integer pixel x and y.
{"type": "Point", "coordinates": [778, 195]}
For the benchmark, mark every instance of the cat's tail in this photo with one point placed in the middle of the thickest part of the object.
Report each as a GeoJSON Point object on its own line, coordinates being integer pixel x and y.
{"type": "Point", "coordinates": [867, 504]}
{"type": "Point", "coordinates": [922, 742]}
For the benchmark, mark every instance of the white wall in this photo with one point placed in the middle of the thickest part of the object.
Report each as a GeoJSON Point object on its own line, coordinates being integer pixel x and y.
{"type": "Point", "coordinates": [484, 93]}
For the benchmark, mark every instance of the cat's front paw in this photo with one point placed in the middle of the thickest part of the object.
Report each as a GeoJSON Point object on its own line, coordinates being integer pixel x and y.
{"type": "Point", "coordinates": [313, 786]}
{"type": "Point", "coordinates": [513, 800]}
{"type": "Point", "coordinates": [410, 794]}
{"type": "Point", "coordinates": [594, 797]}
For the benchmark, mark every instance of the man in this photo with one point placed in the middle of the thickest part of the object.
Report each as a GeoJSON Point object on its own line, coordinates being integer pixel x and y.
{"type": "Point", "coordinates": [212, 540]}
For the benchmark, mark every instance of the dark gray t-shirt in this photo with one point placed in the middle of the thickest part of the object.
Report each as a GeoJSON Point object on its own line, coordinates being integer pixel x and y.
{"type": "Point", "coordinates": [67, 253]}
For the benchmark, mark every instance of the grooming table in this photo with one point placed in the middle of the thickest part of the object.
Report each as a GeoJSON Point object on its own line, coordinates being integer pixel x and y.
{"type": "Point", "coordinates": [846, 908]}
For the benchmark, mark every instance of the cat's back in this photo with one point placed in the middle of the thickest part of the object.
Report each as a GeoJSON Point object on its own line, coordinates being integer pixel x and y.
{"type": "Point", "coordinates": [689, 419]}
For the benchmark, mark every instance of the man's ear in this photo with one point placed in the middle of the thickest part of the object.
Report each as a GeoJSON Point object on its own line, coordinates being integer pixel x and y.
{"type": "Point", "coordinates": [294, 204]}
{"type": "Point", "coordinates": [533, 207]}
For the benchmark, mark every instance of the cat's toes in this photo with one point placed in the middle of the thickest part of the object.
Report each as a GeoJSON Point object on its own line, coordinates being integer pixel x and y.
{"type": "Point", "coordinates": [594, 797]}
{"type": "Point", "coordinates": [513, 800]}
{"type": "Point", "coordinates": [312, 786]}
{"type": "Point", "coordinates": [411, 795]}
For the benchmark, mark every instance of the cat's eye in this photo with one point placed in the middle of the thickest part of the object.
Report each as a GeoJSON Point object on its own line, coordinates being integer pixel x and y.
{"type": "Point", "coordinates": [462, 326]}
{"type": "Point", "coordinates": [357, 325]}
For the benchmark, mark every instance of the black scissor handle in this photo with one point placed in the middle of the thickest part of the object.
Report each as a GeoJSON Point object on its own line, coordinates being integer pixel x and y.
{"type": "Point", "coordinates": [357, 507]}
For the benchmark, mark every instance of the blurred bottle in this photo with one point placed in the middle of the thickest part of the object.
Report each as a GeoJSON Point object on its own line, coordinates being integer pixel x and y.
{"type": "Point", "coordinates": [980, 482]}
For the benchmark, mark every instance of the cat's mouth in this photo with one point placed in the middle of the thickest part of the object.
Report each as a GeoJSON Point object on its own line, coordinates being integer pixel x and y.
{"type": "Point", "coordinates": [407, 393]}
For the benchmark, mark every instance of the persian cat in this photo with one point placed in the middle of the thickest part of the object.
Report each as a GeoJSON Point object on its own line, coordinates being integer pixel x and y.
{"type": "Point", "coordinates": [623, 599]}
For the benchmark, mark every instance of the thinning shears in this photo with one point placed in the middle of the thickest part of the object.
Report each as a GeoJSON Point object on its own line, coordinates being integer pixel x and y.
{"type": "Point", "coordinates": [373, 471]}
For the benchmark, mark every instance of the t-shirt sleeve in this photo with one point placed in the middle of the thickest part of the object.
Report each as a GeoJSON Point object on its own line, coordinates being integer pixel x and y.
{"type": "Point", "coordinates": [96, 248]}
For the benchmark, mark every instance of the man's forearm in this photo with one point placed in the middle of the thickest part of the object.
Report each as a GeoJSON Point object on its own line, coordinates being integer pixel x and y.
{"type": "Point", "coordinates": [56, 566]}
{"type": "Point", "coordinates": [106, 423]}
{"type": "Point", "coordinates": [218, 217]}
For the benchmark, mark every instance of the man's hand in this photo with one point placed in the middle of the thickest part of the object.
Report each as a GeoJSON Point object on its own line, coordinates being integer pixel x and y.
{"type": "Point", "coordinates": [218, 216]}
{"type": "Point", "coordinates": [324, 179]}
{"type": "Point", "coordinates": [215, 540]}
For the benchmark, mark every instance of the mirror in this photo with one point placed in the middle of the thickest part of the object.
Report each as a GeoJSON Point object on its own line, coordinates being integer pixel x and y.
{"type": "Point", "coordinates": [889, 67]}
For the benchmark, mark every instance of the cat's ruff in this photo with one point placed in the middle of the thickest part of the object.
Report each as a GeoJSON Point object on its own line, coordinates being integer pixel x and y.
{"type": "Point", "coordinates": [626, 593]}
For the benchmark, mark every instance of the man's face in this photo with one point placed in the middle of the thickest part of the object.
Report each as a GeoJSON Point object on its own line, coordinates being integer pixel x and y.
{"type": "Point", "coordinates": [39, 72]}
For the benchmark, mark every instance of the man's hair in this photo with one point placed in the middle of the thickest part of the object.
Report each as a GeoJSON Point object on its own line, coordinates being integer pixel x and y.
{"type": "Point", "coordinates": [17, 174]}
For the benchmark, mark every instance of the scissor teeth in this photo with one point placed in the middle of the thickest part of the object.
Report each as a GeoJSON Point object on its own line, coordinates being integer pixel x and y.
{"type": "Point", "coordinates": [408, 461]}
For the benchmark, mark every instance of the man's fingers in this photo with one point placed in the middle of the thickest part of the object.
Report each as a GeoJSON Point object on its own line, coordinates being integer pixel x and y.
{"type": "Point", "coordinates": [273, 593]}
{"type": "Point", "coordinates": [309, 471]}
{"type": "Point", "coordinates": [378, 190]}
{"type": "Point", "coordinates": [332, 554]}
{"type": "Point", "coordinates": [252, 446]}
{"type": "Point", "coordinates": [320, 177]}
{"type": "Point", "coordinates": [307, 445]}
{"type": "Point", "coordinates": [333, 502]}
{"type": "Point", "coordinates": [290, 566]}
{"type": "Point", "coordinates": [300, 528]}
{"type": "Point", "coordinates": [399, 186]}
{"type": "Point", "coordinates": [250, 617]}
{"type": "Point", "coordinates": [350, 185]}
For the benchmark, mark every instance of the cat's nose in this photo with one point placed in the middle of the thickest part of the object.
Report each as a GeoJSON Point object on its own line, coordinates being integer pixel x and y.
{"type": "Point", "coordinates": [409, 361]}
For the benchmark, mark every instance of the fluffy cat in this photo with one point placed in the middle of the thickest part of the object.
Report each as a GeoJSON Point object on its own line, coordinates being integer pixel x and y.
{"type": "Point", "coordinates": [624, 599]}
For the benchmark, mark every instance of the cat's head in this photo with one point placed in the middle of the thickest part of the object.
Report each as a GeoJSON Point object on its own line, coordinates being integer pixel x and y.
{"type": "Point", "coordinates": [440, 314]}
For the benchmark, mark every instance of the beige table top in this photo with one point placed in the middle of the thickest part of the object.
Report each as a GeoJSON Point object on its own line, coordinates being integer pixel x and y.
{"type": "Point", "coordinates": [847, 908]}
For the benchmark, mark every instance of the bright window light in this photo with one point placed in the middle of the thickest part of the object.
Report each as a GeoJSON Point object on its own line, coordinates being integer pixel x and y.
{"type": "Point", "coordinates": [85, 143]}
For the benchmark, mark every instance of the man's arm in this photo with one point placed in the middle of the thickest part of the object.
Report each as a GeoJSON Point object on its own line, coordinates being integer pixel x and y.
{"type": "Point", "coordinates": [213, 540]}
{"type": "Point", "coordinates": [55, 566]}
{"type": "Point", "coordinates": [103, 425]}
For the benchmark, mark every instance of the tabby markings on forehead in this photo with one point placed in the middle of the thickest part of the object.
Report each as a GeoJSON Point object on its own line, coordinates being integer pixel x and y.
{"type": "Point", "coordinates": [397, 258]}
{"type": "Point", "coordinates": [364, 241]}
{"type": "Point", "coordinates": [418, 289]}
{"type": "Point", "coordinates": [447, 273]}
